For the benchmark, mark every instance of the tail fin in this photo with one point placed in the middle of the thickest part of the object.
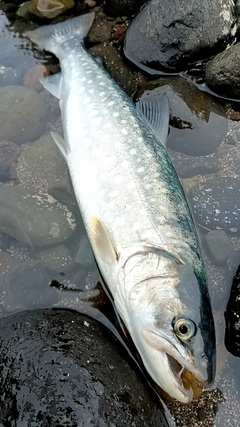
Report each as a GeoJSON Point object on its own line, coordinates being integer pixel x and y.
{"type": "Point", "coordinates": [49, 37]}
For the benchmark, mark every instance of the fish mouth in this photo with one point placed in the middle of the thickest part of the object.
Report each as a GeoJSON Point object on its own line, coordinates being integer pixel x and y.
{"type": "Point", "coordinates": [181, 377]}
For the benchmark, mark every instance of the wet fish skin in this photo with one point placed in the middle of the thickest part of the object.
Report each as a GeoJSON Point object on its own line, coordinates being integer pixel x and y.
{"type": "Point", "coordinates": [232, 317]}
{"type": "Point", "coordinates": [134, 211]}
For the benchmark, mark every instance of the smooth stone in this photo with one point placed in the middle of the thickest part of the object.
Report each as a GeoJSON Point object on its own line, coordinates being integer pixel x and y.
{"type": "Point", "coordinates": [52, 106]}
{"type": "Point", "coordinates": [189, 166]}
{"type": "Point", "coordinates": [22, 114]}
{"type": "Point", "coordinates": [218, 247]}
{"type": "Point", "coordinates": [33, 75]}
{"type": "Point", "coordinates": [168, 36]}
{"type": "Point", "coordinates": [115, 66]}
{"type": "Point", "coordinates": [123, 7]}
{"type": "Point", "coordinates": [35, 218]}
{"type": "Point", "coordinates": [57, 258]}
{"type": "Point", "coordinates": [9, 153]}
{"type": "Point", "coordinates": [41, 166]}
{"type": "Point", "coordinates": [223, 72]}
{"type": "Point", "coordinates": [27, 286]}
{"type": "Point", "coordinates": [198, 124]}
{"type": "Point", "coordinates": [216, 204]}
{"type": "Point", "coordinates": [62, 368]}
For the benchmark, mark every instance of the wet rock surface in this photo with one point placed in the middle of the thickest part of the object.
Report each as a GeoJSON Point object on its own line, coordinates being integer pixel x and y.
{"type": "Point", "coordinates": [189, 166]}
{"type": "Point", "coordinates": [167, 36]}
{"type": "Point", "coordinates": [216, 204]}
{"type": "Point", "coordinates": [34, 218]}
{"type": "Point", "coordinates": [9, 76]}
{"type": "Point", "coordinates": [57, 258]}
{"type": "Point", "coordinates": [64, 369]}
{"type": "Point", "coordinates": [9, 153]}
{"type": "Point", "coordinates": [223, 72]}
{"type": "Point", "coordinates": [193, 115]}
{"type": "Point", "coordinates": [123, 7]}
{"type": "Point", "coordinates": [218, 246]}
{"type": "Point", "coordinates": [22, 114]}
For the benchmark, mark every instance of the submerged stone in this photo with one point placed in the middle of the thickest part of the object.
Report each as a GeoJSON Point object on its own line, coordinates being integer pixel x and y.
{"type": "Point", "coordinates": [49, 8]}
{"type": "Point", "coordinates": [219, 247]}
{"type": "Point", "coordinates": [168, 36]}
{"type": "Point", "coordinates": [216, 204]}
{"type": "Point", "coordinates": [123, 7]}
{"type": "Point", "coordinates": [61, 368]}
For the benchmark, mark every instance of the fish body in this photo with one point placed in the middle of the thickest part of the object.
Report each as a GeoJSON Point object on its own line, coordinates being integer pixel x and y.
{"type": "Point", "coordinates": [232, 316]}
{"type": "Point", "coordinates": [134, 210]}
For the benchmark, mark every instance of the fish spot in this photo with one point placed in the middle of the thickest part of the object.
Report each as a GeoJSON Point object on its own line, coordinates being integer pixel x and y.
{"type": "Point", "coordinates": [141, 169]}
{"type": "Point", "coordinates": [115, 114]}
{"type": "Point", "coordinates": [102, 93]}
{"type": "Point", "coordinates": [83, 79]}
{"type": "Point", "coordinates": [140, 139]}
{"type": "Point", "coordinates": [111, 103]}
{"type": "Point", "coordinates": [102, 83]}
{"type": "Point", "coordinates": [81, 90]}
{"type": "Point", "coordinates": [124, 131]}
{"type": "Point", "coordinates": [120, 220]}
{"type": "Point", "coordinates": [133, 151]}
{"type": "Point", "coordinates": [138, 160]}
{"type": "Point", "coordinates": [91, 90]}
{"type": "Point", "coordinates": [96, 121]}
{"type": "Point", "coordinates": [136, 226]}
{"type": "Point", "coordinates": [119, 179]}
{"type": "Point", "coordinates": [148, 186]}
{"type": "Point", "coordinates": [107, 125]}
{"type": "Point", "coordinates": [123, 121]}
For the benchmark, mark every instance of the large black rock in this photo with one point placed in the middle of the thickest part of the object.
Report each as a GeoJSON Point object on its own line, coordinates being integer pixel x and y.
{"type": "Point", "coordinates": [59, 368]}
{"type": "Point", "coordinates": [170, 35]}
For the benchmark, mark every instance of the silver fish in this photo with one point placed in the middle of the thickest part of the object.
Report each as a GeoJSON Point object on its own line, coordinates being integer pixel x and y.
{"type": "Point", "coordinates": [134, 210]}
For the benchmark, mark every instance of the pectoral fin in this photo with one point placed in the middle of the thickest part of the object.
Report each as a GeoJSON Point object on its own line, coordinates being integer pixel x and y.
{"type": "Point", "coordinates": [155, 111]}
{"type": "Point", "coordinates": [101, 242]}
{"type": "Point", "coordinates": [53, 84]}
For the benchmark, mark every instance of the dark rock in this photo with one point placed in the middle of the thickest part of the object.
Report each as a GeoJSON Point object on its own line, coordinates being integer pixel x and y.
{"type": "Point", "coordinates": [57, 258]}
{"type": "Point", "coordinates": [223, 72]}
{"type": "Point", "coordinates": [34, 218]}
{"type": "Point", "coordinates": [218, 246]}
{"type": "Point", "coordinates": [10, 8]}
{"type": "Point", "coordinates": [123, 7]}
{"type": "Point", "coordinates": [232, 333]}
{"type": "Point", "coordinates": [216, 204]}
{"type": "Point", "coordinates": [22, 114]}
{"type": "Point", "coordinates": [9, 153]}
{"type": "Point", "coordinates": [114, 64]}
{"type": "Point", "coordinates": [60, 368]}
{"type": "Point", "coordinates": [188, 166]}
{"type": "Point", "coordinates": [168, 36]}
{"type": "Point", "coordinates": [100, 31]}
{"type": "Point", "coordinates": [198, 124]}
{"type": "Point", "coordinates": [10, 76]}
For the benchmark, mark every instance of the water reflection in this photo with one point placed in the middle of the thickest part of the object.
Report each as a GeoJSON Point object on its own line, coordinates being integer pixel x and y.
{"type": "Point", "coordinates": [27, 271]}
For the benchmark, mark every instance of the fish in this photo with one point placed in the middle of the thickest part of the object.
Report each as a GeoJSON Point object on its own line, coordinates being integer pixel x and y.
{"type": "Point", "coordinates": [134, 210]}
{"type": "Point", "coordinates": [232, 317]}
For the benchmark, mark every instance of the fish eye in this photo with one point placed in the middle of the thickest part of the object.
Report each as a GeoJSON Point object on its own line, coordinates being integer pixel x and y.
{"type": "Point", "coordinates": [184, 329]}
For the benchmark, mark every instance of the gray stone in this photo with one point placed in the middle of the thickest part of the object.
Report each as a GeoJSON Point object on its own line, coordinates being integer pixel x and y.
{"type": "Point", "coordinates": [189, 166]}
{"type": "Point", "coordinates": [9, 153]}
{"type": "Point", "coordinates": [57, 258]}
{"type": "Point", "coordinates": [60, 368]}
{"type": "Point", "coordinates": [219, 247]}
{"type": "Point", "coordinates": [10, 76]}
{"type": "Point", "coordinates": [114, 64]}
{"type": "Point", "coordinates": [216, 204]}
{"type": "Point", "coordinates": [168, 35]}
{"type": "Point", "coordinates": [101, 30]}
{"type": "Point", "coordinates": [36, 219]}
{"type": "Point", "coordinates": [223, 72]}
{"type": "Point", "coordinates": [198, 124]}
{"type": "Point", "coordinates": [22, 114]}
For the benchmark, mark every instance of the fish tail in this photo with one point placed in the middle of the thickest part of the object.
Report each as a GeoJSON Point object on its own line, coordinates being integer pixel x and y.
{"type": "Point", "coordinates": [50, 37]}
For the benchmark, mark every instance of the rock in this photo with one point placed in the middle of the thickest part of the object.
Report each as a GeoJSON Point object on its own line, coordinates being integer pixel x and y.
{"type": "Point", "coordinates": [64, 369]}
{"type": "Point", "coordinates": [223, 72]}
{"type": "Point", "coordinates": [35, 218]}
{"type": "Point", "coordinates": [27, 286]}
{"type": "Point", "coordinates": [31, 78]}
{"type": "Point", "coordinates": [188, 166]}
{"type": "Point", "coordinates": [22, 114]}
{"type": "Point", "coordinates": [5, 241]}
{"type": "Point", "coordinates": [100, 31]}
{"type": "Point", "coordinates": [6, 263]}
{"type": "Point", "coordinates": [41, 166]}
{"type": "Point", "coordinates": [57, 258]}
{"type": "Point", "coordinates": [114, 64]}
{"type": "Point", "coordinates": [123, 7]}
{"type": "Point", "coordinates": [10, 76]}
{"type": "Point", "coordinates": [198, 124]}
{"type": "Point", "coordinates": [216, 204]}
{"type": "Point", "coordinates": [9, 153]}
{"type": "Point", "coordinates": [49, 8]}
{"type": "Point", "coordinates": [218, 246]}
{"type": "Point", "coordinates": [52, 106]}
{"type": "Point", "coordinates": [23, 11]}
{"type": "Point", "coordinates": [168, 36]}
{"type": "Point", "coordinates": [84, 254]}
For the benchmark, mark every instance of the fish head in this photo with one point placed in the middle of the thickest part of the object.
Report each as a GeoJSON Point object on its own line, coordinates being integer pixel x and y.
{"type": "Point", "coordinates": [171, 323]}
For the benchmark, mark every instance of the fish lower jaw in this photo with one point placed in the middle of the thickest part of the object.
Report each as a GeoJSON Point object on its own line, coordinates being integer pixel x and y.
{"type": "Point", "coordinates": [179, 392]}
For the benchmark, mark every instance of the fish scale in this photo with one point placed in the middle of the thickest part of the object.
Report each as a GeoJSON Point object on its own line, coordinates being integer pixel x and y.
{"type": "Point", "coordinates": [134, 210]}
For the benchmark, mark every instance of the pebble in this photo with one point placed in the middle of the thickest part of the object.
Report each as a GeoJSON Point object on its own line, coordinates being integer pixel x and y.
{"type": "Point", "coordinates": [216, 204]}
{"type": "Point", "coordinates": [32, 76]}
{"type": "Point", "coordinates": [35, 218]}
{"type": "Point", "coordinates": [223, 72]}
{"type": "Point", "coordinates": [65, 369]}
{"type": "Point", "coordinates": [22, 114]}
{"type": "Point", "coordinates": [9, 153]}
{"type": "Point", "coordinates": [219, 247]}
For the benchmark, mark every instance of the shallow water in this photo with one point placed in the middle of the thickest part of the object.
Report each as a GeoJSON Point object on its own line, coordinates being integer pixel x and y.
{"type": "Point", "coordinates": [27, 270]}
